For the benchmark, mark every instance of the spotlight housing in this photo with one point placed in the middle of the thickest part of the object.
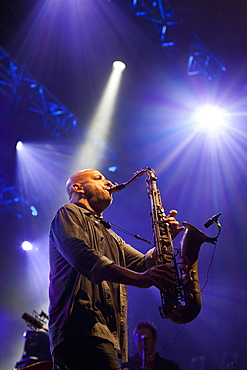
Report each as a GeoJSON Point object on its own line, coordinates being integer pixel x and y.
{"type": "Point", "coordinates": [27, 246]}
{"type": "Point", "coordinates": [19, 145]}
{"type": "Point", "coordinates": [118, 65]}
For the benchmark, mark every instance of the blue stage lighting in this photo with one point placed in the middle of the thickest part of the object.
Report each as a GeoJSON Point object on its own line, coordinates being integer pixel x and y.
{"type": "Point", "coordinates": [112, 169]}
{"type": "Point", "coordinates": [211, 119]}
{"type": "Point", "coordinates": [19, 145]}
{"type": "Point", "coordinates": [34, 211]}
{"type": "Point", "coordinates": [27, 246]}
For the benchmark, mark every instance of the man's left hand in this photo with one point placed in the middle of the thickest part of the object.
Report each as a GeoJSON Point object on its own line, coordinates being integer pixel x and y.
{"type": "Point", "coordinates": [174, 227]}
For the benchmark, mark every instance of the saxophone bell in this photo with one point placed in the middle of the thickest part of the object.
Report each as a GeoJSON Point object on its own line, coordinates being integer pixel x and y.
{"type": "Point", "coordinates": [187, 305]}
{"type": "Point", "coordinates": [192, 241]}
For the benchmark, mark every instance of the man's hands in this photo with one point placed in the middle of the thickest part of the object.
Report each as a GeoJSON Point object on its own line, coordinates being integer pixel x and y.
{"type": "Point", "coordinates": [160, 276]}
{"type": "Point", "coordinates": [175, 229]}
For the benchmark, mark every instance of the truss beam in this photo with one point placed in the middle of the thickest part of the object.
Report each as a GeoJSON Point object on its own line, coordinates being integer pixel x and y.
{"type": "Point", "coordinates": [18, 85]}
{"type": "Point", "coordinates": [167, 25]}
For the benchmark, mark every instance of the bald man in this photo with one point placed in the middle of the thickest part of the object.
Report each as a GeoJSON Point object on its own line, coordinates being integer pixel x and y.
{"type": "Point", "coordinates": [90, 266]}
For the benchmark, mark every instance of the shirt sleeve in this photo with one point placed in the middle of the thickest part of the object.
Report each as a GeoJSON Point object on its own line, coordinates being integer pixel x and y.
{"type": "Point", "coordinates": [70, 234]}
{"type": "Point", "coordinates": [136, 260]}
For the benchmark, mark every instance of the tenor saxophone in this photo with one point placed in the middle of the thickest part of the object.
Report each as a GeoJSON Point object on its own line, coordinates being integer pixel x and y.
{"type": "Point", "coordinates": [182, 303]}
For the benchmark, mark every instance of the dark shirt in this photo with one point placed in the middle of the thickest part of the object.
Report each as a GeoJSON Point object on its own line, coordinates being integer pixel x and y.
{"type": "Point", "coordinates": [81, 303]}
{"type": "Point", "coordinates": [160, 363]}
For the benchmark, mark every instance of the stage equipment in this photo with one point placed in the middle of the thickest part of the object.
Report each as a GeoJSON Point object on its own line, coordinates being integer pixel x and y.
{"type": "Point", "coordinates": [37, 321]}
{"type": "Point", "coordinates": [36, 354]}
{"type": "Point", "coordinates": [144, 351]}
{"type": "Point", "coordinates": [182, 303]}
{"type": "Point", "coordinates": [43, 365]}
{"type": "Point", "coordinates": [165, 23]}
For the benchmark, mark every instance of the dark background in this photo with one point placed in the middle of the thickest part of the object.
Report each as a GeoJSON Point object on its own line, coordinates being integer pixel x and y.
{"type": "Point", "coordinates": [69, 47]}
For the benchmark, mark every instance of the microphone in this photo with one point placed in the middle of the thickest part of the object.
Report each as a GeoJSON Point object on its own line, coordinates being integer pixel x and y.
{"type": "Point", "coordinates": [143, 351]}
{"type": "Point", "coordinates": [211, 220]}
{"type": "Point", "coordinates": [34, 322]}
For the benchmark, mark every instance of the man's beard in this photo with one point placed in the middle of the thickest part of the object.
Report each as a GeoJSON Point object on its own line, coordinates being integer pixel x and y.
{"type": "Point", "coordinates": [99, 198]}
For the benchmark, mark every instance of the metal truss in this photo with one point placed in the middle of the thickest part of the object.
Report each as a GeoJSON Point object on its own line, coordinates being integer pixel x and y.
{"type": "Point", "coordinates": [165, 23]}
{"type": "Point", "coordinates": [202, 61]}
{"type": "Point", "coordinates": [12, 201]}
{"type": "Point", "coordinates": [18, 85]}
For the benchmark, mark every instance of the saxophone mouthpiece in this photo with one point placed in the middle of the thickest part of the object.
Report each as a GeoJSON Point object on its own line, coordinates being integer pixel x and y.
{"type": "Point", "coordinates": [116, 188]}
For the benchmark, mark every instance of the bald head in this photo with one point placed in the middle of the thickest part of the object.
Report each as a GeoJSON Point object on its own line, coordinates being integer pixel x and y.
{"type": "Point", "coordinates": [90, 188]}
{"type": "Point", "coordinates": [78, 177]}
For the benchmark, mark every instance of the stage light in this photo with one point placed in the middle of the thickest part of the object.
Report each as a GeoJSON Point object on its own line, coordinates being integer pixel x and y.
{"type": "Point", "coordinates": [27, 246]}
{"type": "Point", "coordinates": [34, 211]}
{"type": "Point", "coordinates": [19, 145]}
{"type": "Point", "coordinates": [118, 65]}
{"type": "Point", "coordinates": [211, 119]}
{"type": "Point", "coordinates": [112, 169]}
{"type": "Point", "coordinates": [101, 122]}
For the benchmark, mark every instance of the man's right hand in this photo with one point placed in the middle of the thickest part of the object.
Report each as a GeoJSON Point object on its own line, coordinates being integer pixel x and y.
{"type": "Point", "coordinates": [160, 276]}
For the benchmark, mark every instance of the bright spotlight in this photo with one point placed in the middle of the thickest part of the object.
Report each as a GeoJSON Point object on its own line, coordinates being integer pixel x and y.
{"type": "Point", "coordinates": [27, 246]}
{"type": "Point", "coordinates": [120, 66]}
{"type": "Point", "coordinates": [100, 127]}
{"type": "Point", "coordinates": [19, 145]}
{"type": "Point", "coordinates": [211, 119]}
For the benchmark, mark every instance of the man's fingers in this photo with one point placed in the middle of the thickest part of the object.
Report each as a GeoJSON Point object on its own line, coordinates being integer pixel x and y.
{"type": "Point", "coordinates": [180, 228]}
{"type": "Point", "coordinates": [163, 275]}
{"type": "Point", "coordinates": [173, 213]}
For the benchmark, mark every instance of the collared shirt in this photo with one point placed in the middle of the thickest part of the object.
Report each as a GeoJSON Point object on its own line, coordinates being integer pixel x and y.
{"type": "Point", "coordinates": [81, 302]}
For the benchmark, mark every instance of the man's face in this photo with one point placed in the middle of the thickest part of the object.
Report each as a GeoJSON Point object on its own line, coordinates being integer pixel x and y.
{"type": "Point", "coordinates": [150, 341]}
{"type": "Point", "coordinates": [96, 187]}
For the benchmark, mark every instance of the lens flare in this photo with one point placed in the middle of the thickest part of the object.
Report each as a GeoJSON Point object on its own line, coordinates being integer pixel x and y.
{"type": "Point", "coordinates": [211, 119]}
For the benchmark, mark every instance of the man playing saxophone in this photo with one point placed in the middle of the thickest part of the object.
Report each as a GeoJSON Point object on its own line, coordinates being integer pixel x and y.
{"type": "Point", "coordinates": [90, 266]}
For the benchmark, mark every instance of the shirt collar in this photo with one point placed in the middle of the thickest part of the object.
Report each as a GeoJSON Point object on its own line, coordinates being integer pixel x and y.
{"type": "Point", "coordinates": [100, 218]}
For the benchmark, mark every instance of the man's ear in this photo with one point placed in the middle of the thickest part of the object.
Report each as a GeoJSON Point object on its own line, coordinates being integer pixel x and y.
{"type": "Point", "coordinates": [78, 188]}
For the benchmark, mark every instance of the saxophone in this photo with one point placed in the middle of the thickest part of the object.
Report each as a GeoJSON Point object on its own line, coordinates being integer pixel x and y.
{"type": "Point", "coordinates": [182, 303]}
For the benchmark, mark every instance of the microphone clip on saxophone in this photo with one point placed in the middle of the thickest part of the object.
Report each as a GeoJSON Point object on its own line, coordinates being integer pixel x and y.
{"type": "Point", "coordinates": [213, 219]}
